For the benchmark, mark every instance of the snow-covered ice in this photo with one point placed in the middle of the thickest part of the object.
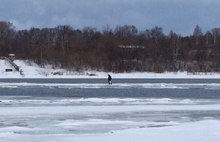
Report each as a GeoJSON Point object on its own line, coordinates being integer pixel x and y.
{"type": "Point", "coordinates": [46, 119]}
{"type": "Point", "coordinates": [128, 123]}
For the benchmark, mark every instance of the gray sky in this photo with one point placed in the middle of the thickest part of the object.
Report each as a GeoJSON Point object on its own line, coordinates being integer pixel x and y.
{"type": "Point", "coordinates": [179, 15]}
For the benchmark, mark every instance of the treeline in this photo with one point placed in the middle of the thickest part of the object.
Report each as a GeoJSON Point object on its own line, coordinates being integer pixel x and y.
{"type": "Point", "coordinates": [123, 48]}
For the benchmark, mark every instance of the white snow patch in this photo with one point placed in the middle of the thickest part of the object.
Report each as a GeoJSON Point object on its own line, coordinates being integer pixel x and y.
{"type": "Point", "coordinates": [102, 101]}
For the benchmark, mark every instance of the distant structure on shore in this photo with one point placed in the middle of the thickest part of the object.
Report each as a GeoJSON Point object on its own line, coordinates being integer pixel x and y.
{"type": "Point", "coordinates": [131, 46]}
{"type": "Point", "coordinates": [10, 59]}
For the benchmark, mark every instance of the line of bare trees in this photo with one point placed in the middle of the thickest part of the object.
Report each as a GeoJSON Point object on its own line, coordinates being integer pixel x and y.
{"type": "Point", "coordinates": [121, 49]}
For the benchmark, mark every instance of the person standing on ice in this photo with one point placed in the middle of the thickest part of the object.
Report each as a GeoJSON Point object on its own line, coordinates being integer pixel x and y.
{"type": "Point", "coordinates": [109, 79]}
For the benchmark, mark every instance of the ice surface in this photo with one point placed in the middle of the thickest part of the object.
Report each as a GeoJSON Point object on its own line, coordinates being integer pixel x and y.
{"type": "Point", "coordinates": [110, 123]}
{"type": "Point", "coordinates": [46, 119]}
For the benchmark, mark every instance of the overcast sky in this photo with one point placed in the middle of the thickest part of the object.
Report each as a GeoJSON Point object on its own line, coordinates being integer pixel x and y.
{"type": "Point", "coordinates": [179, 15]}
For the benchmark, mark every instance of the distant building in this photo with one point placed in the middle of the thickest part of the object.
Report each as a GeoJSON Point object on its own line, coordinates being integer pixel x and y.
{"type": "Point", "coordinates": [131, 46]}
{"type": "Point", "coordinates": [131, 57]}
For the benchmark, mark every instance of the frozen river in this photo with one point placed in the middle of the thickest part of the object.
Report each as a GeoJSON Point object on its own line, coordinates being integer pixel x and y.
{"type": "Point", "coordinates": [66, 110]}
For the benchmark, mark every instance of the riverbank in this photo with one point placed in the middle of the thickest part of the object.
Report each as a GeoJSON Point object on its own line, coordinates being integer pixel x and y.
{"type": "Point", "coordinates": [32, 70]}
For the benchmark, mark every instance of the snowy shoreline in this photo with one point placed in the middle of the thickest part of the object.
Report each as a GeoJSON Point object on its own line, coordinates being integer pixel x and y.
{"type": "Point", "coordinates": [32, 70]}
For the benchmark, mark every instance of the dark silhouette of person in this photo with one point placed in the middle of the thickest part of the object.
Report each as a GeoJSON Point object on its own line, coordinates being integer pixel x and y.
{"type": "Point", "coordinates": [109, 79]}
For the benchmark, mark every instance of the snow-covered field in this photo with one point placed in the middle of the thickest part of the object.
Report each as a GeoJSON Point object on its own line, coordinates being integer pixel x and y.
{"type": "Point", "coordinates": [32, 70]}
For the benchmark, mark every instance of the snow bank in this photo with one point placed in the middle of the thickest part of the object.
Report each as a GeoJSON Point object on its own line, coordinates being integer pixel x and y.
{"type": "Point", "coordinates": [32, 70]}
